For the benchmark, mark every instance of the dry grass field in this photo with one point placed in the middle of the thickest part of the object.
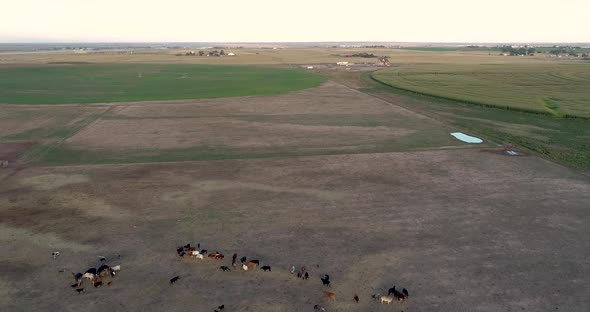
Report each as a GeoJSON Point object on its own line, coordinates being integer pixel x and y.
{"type": "Point", "coordinates": [330, 119]}
{"type": "Point", "coordinates": [463, 230]}
{"type": "Point", "coordinates": [344, 179]}
{"type": "Point", "coordinates": [282, 57]}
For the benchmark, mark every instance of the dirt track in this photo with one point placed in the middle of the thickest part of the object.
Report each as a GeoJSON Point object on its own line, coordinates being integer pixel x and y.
{"type": "Point", "coordinates": [463, 230]}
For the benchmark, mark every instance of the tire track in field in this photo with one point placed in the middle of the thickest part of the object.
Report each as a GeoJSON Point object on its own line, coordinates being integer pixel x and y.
{"type": "Point", "coordinates": [37, 153]}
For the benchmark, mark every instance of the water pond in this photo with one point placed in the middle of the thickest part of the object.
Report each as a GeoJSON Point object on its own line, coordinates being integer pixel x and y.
{"type": "Point", "coordinates": [466, 138]}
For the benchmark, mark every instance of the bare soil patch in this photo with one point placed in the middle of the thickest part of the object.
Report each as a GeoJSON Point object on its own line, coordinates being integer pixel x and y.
{"type": "Point", "coordinates": [183, 133]}
{"type": "Point", "coordinates": [329, 98]}
{"type": "Point", "coordinates": [11, 150]}
{"type": "Point", "coordinates": [13, 125]}
{"type": "Point", "coordinates": [329, 119]}
{"type": "Point", "coordinates": [15, 119]}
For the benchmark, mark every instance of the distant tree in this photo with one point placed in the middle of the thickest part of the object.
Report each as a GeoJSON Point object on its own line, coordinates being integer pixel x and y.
{"type": "Point", "coordinates": [201, 53]}
{"type": "Point", "coordinates": [531, 50]}
{"type": "Point", "coordinates": [213, 53]}
{"type": "Point", "coordinates": [384, 60]}
{"type": "Point", "coordinates": [221, 52]}
{"type": "Point", "coordinates": [364, 54]}
{"type": "Point", "coordinates": [559, 50]}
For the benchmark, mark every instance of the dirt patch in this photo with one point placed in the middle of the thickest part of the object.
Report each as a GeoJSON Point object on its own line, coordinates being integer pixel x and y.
{"type": "Point", "coordinates": [329, 98]}
{"type": "Point", "coordinates": [233, 122]}
{"type": "Point", "coordinates": [17, 119]}
{"type": "Point", "coordinates": [222, 185]}
{"type": "Point", "coordinates": [17, 236]}
{"type": "Point", "coordinates": [183, 133]}
{"type": "Point", "coordinates": [11, 151]}
{"type": "Point", "coordinates": [68, 63]}
{"type": "Point", "coordinates": [53, 181]}
{"type": "Point", "coordinates": [87, 205]}
{"type": "Point", "coordinates": [12, 126]}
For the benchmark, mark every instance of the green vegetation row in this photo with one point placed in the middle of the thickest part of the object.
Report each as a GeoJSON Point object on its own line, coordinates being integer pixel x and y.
{"type": "Point", "coordinates": [102, 83]}
{"type": "Point", "coordinates": [560, 90]}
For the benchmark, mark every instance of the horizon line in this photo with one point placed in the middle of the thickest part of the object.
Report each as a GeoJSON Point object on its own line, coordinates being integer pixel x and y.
{"type": "Point", "coordinates": [278, 42]}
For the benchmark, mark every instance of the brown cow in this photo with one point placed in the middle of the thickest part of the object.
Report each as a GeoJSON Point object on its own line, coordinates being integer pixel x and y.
{"type": "Point", "coordinates": [330, 295]}
{"type": "Point", "coordinates": [251, 265]}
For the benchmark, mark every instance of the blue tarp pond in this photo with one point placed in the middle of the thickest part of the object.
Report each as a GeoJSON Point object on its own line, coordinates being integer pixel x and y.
{"type": "Point", "coordinates": [466, 138]}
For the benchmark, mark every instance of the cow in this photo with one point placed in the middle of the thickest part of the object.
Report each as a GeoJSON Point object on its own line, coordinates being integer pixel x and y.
{"type": "Point", "coordinates": [251, 265]}
{"type": "Point", "coordinates": [386, 299]}
{"type": "Point", "coordinates": [325, 280]}
{"type": "Point", "coordinates": [330, 295]}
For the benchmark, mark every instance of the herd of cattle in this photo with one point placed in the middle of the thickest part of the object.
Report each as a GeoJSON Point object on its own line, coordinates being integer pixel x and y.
{"type": "Point", "coordinates": [195, 251]}
{"type": "Point", "coordinates": [104, 274]}
{"type": "Point", "coordinates": [100, 276]}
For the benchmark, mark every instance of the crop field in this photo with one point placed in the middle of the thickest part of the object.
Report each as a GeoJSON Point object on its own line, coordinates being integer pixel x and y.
{"type": "Point", "coordinates": [564, 140]}
{"type": "Point", "coordinates": [556, 89]}
{"type": "Point", "coordinates": [62, 84]}
{"type": "Point", "coordinates": [326, 169]}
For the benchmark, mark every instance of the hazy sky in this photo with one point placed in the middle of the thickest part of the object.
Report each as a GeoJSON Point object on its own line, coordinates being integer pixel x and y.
{"type": "Point", "coordinates": [295, 20]}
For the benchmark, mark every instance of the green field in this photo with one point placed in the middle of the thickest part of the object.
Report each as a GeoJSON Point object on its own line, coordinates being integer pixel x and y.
{"type": "Point", "coordinates": [557, 89]}
{"type": "Point", "coordinates": [564, 140]}
{"type": "Point", "coordinates": [104, 83]}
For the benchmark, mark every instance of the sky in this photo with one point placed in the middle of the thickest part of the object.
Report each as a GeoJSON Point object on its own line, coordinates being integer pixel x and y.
{"type": "Point", "coordinates": [294, 21]}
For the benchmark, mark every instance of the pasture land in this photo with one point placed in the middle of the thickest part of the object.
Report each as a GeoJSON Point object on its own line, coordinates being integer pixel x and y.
{"type": "Point", "coordinates": [556, 89]}
{"type": "Point", "coordinates": [62, 84]}
{"type": "Point", "coordinates": [365, 185]}
{"type": "Point", "coordinates": [330, 119]}
{"type": "Point", "coordinates": [461, 229]}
